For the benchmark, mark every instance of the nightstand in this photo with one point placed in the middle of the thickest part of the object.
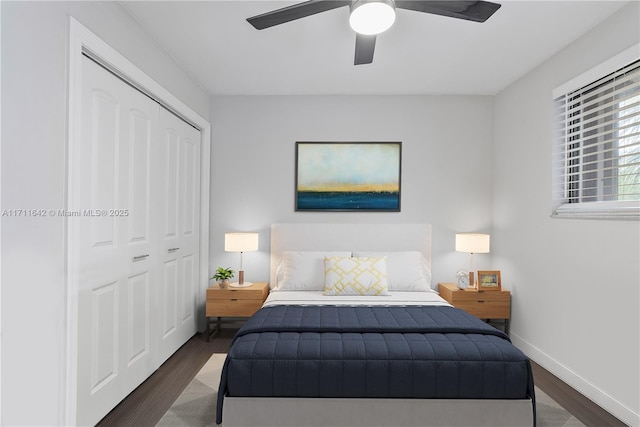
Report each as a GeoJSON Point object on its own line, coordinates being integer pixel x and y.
{"type": "Point", "coordinates": [233, 302]}
{"type": "Point", "coordinates": [488, 305]}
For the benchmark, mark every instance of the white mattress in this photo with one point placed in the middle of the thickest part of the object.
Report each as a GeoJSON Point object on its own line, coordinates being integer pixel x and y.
{"type": "Point", "coordinates": [317, 298]}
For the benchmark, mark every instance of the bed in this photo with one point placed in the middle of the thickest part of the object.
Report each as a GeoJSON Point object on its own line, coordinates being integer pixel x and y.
{"type": "Point", "coordinates": [387, 352]}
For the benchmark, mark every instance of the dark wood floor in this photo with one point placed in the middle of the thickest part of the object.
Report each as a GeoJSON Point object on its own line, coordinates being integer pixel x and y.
{"type": "Point", "coordinates": [148, 403]}
{"type": "Point", "coordinates": [579, 406]}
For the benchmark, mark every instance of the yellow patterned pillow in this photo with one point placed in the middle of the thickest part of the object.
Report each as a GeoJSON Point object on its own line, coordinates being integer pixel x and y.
{"type": "Point", "coordinates": [355, 276]}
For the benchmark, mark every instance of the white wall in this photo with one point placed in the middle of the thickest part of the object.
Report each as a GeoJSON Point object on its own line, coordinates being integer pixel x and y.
{"type": "Point", "coordinates": [446, 147]}
{"type": "Point", "coordinates": [34, 117]}
{"type": "Point", "coordinates": [575, 283]}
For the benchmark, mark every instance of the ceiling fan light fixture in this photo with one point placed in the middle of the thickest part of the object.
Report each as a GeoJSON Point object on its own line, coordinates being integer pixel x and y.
{"type": "Point", "coordinates": [371, 17]}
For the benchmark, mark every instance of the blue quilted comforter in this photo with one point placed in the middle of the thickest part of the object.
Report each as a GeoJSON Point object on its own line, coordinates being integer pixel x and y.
{"type": "Point", "coordinates": [425, 352]}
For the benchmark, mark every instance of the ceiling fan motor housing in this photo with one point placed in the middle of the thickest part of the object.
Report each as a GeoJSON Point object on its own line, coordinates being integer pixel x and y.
{"type": "Point", "coordinates": [370, 17]}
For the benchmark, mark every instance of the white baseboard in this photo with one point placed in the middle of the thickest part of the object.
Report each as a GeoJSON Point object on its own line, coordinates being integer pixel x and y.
{"type": "Point", "coordinates": [589, 390]}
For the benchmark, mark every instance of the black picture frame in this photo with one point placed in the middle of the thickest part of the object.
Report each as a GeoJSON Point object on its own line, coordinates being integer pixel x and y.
{"type": "Point", "coordinates": [348, 176]}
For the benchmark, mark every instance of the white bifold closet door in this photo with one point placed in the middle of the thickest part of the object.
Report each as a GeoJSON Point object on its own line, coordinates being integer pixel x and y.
{"type": "Point", "coordinates": [136, 237]}
{"type": "Point", "coordinates": [178, 186]}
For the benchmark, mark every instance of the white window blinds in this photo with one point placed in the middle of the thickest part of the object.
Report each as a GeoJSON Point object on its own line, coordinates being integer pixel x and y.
{"type": "Point", "coordinates": [597, 162]}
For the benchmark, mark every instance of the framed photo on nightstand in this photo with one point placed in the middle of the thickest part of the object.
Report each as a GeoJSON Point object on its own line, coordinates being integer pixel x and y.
{"type": "Point", "coordinates": [489, 280]}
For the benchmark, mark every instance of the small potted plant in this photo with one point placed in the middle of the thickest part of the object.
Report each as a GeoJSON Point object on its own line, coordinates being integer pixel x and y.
{"type": "Point", "coordinates": [223, 275]}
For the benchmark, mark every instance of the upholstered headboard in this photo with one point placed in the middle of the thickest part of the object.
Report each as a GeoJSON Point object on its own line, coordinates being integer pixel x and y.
{"type": "Point", "coordinates": [348, 237]}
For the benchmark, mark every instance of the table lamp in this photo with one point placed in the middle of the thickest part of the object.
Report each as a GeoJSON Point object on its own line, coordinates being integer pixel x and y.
{"type": "Point", "coordinates": [240, 242]}
{"type": "Point", "coordinates": [472, 243]}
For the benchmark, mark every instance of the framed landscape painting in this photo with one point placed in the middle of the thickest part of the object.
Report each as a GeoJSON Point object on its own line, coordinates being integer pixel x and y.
{"type": "Point", "coordinates": [348, 176]}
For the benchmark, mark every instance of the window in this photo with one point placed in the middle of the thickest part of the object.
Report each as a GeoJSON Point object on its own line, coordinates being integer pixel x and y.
{"type": "Point", "coordinates": [597, 156]}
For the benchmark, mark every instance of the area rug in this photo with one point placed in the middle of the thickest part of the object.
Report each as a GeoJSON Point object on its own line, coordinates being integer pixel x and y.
{"type": "Point", "coordinates": [196, 406]}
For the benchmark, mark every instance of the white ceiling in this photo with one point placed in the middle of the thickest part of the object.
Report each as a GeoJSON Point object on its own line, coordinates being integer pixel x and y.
{"type": "Point", "coordinates": [420, 54]}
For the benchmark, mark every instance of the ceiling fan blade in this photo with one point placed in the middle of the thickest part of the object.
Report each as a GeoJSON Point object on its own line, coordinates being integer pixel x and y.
{"type": "Point", "coordinates": [478, 11]}
{"type": "Point", "coordinates": [365, 46]}
{"type": "Point", "coordinates": [296, 11]}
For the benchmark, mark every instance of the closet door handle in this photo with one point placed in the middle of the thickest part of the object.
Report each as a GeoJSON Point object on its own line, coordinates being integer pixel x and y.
{"type": "Point", "coordinates": [172, 249]}
{"type": "Point", "coordinates": [139, 257]}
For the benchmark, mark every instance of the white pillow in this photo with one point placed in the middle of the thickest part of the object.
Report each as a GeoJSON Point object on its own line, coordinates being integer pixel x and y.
{"type": "Point", "coordinates": [303, 270]}
{"type": "Point", "coordinates": [406, 270]}
{"type": "Point", "coordinates": [355, 276]}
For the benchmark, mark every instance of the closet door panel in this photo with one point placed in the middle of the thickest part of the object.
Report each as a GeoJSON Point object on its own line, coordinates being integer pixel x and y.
{"type": "Point", "coordinates": [189, 170]}
{"type": "Point", "coordinates": [104, 326]}
{"type": "Point", "coordinates": [139, 177]}
{"type": "Point", "coordinates": [138, 317]}
{"type": "Point", "coordinates": [136, 224]}
{"type": "Point", "coordinates": [190, 190]}
{"type": "Point", "coordinates": [114, 245]}
{"type": "Point", "coordinates": [180, 243]}
{"type": "Point", "coordinates": [171, 181]}
{"type": "Point", "coordinates": [187, 302]}
{"type": "Point", "coordinates": [104, 137]}
{"type": "Point", "coordinates": [169, 293]}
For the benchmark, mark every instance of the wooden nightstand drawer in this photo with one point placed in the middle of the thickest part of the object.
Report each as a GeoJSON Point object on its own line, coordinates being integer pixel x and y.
{"type": "Point", "coordinates": [486, 309]}
{"type": "Point", "coordinates": [254, 292]}
{"type": "Point", "coordinates": [463, 296]}
{"type": "Point", "coordinates": [233, 308]}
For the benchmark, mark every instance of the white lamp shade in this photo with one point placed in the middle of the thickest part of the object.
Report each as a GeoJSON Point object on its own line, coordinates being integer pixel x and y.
{"type": "Point", "coordinates": [372, 17]}
{"type": "Point", "coordinates": [473, 243]}
{"type": "Point", "coordinates": [240, 242]}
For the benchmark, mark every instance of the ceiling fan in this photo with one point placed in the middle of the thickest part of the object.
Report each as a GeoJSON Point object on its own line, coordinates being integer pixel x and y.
{"type": "Point", "coordinates": [371, 17]}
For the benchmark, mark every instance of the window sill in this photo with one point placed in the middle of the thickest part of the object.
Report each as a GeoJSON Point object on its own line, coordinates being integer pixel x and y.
{"type": "Point", "coordinates": [599, 210]}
